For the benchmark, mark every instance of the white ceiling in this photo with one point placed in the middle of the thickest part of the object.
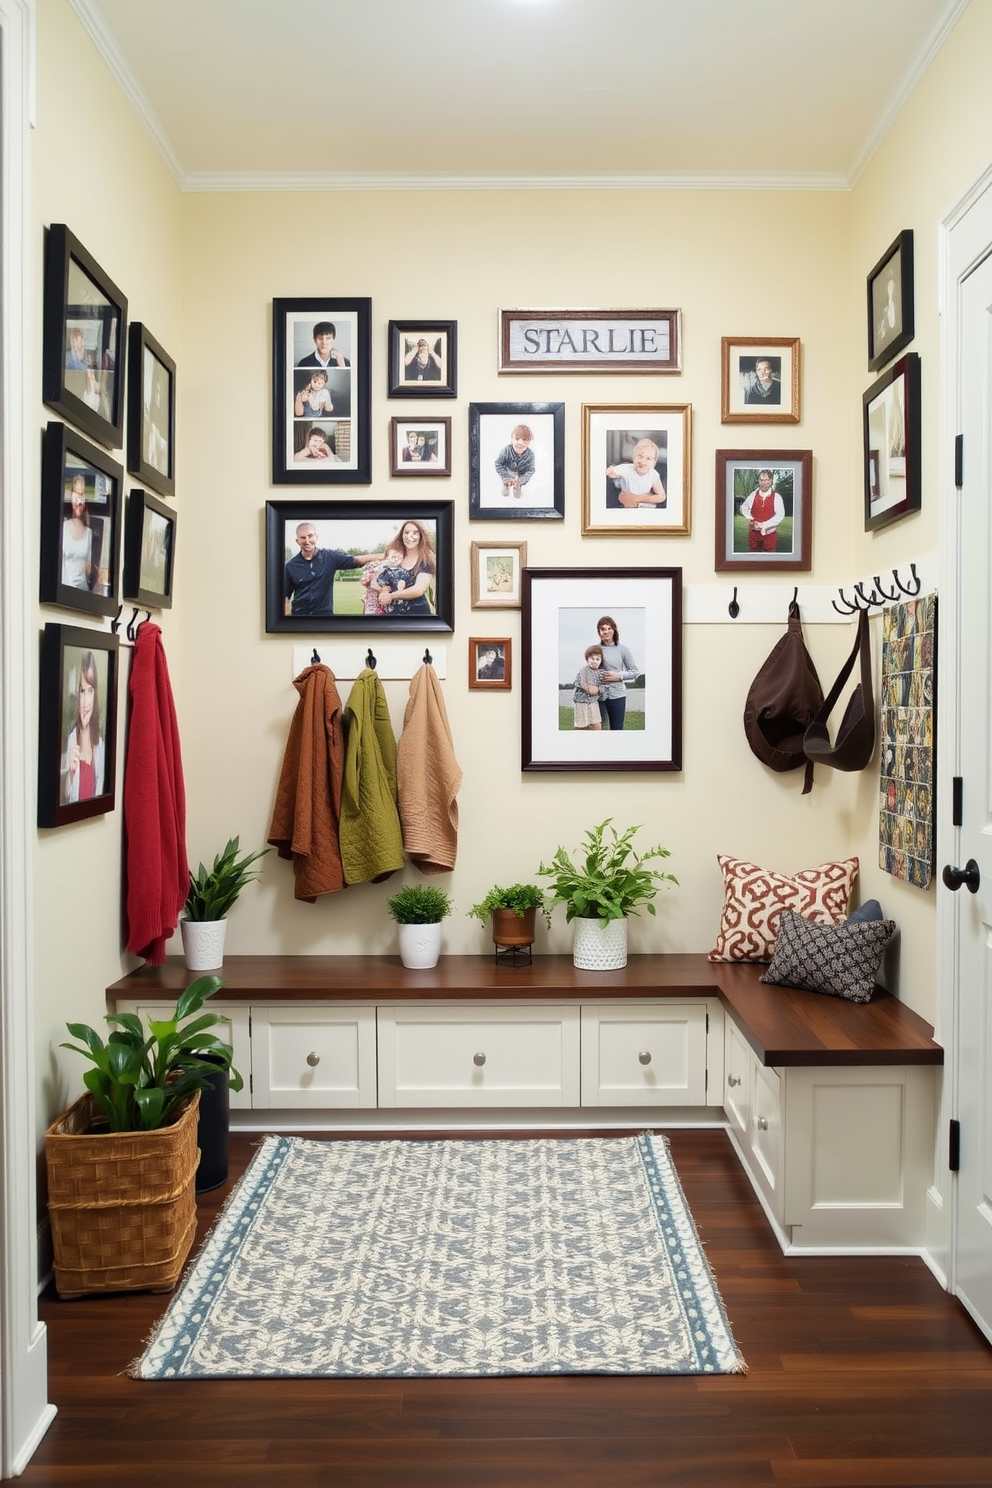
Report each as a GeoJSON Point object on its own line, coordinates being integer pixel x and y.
{"type": "Point", "coordinates": [383, 92]}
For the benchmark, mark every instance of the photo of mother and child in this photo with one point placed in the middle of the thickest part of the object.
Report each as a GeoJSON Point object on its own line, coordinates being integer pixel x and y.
{"type": "Point", "coordinates": [397, 580]}
{"type": "Point", "coordinates": [600, 689]}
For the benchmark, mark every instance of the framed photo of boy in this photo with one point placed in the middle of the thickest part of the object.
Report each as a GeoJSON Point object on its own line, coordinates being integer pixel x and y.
{"type": "Point", "coordinates": [490, 664]}
{"type": "Point", "coordinates": [764, 511]}
{"type": "Point", "coordinates": [602, 669]}
{"type": "Point", "coordinates": [77, 724]}
{"type": "Point", "coordinates": [516, 461]}
{"type": "Point", "coordinates": [151, 411]}
{"type": "Point", "coordinates": [496, 575]}
{"type": "Point", "coordinates": [891, 419]}
{"type": "Point", "coordinates": [760, 380]}
{"type": "Point", "coordinates": [376, 566]}
{"type": "Point", "coordinates": [149, 551]}
{"type": "Point", "coordinates": [890, 302]}
{"type": "Point", "coordinates": [423, 358]}
{"type": "Point", "coordinates": [83, 345]}
{"type": "Point", "coordinates": [81, 507]}
{"type": "Point", "coordinates": [420, 446]}
{"type": "Point", "coordinates": [321, 392]}
{"type": "Point", "coordinates": [636, 466]}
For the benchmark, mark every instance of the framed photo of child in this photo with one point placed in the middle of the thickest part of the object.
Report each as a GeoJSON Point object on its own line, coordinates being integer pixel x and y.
{"type": "Point", "coordinates": [636, 469]}
{"type": "Point", "coordinates": [321, 392]}
{"type": "Point", "coordinates": [516, 461]}
{"type": "Point", "coordinates": [490, 663]}
{"type": "Point", "coordinates": [423, 358]}
{"type": "Point", "coordinates": [764, 511]}
{"type": "Point", "coordinates": [601, 669]}
{"type": "Point", "coordinates": [496, 575]}
{"type": "Point", "coordinates": [420, 446]}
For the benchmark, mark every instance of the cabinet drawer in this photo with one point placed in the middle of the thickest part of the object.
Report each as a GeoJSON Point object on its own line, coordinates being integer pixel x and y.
{"type": "Point", "coordinates": [313, 1057]}
{"type": "Point", "coordinates": [766, 1133]}
{"type": "Point", "coordinates": [478, 1056]}
{"type": "Point", "coordinates": [737, 1084]}
{"type": "Point", "coordinates": [234, 1030]}
{"type": "Point", "coordinates": [638, 1056]}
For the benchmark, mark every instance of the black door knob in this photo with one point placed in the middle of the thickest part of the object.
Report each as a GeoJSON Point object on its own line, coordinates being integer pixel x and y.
{"type": "Point", "coordinates": [969, 875]}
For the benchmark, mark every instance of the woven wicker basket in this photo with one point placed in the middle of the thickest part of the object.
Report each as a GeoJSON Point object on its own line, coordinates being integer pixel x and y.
{"type": "Point", "coordinates": [122, 1204]}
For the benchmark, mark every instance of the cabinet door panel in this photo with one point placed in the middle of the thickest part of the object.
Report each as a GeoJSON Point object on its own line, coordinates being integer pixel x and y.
{"type": "Point", "coordinates": [313, 1057]}
{"type": "Point", "coordinates": [638, 1056]}
{"type": "Point", "coordinates": [234, 1030]}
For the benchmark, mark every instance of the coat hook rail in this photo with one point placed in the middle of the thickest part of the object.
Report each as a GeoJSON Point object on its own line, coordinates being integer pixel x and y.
{"type": "Point", "coordinates": [393, 659]}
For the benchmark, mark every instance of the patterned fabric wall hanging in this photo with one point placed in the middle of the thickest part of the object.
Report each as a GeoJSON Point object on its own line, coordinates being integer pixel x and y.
{"type": "Point", "coordinates": [908, 732]}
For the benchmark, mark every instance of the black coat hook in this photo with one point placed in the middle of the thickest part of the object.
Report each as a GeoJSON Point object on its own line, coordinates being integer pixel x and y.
{"type": "Point", "coordinates": [115, 624]}
{"type": "Point", "coordinates": [370, 660]}
{"type": "Point", "coordinates": [734, 609]}
{"type": "Point", "coordinates": [878, 589]}
{"type": "Point", "coordinates": [428, 658]}
{"type": "Point", "coordinates": [914, 587]}
{"type": "Point", "coordinates": [315, 658]}
{"type": "Point", "coordinates": [848, 607]}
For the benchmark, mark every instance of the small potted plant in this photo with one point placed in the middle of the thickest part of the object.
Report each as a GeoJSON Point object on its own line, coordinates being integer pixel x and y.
{"type": "Point", "coordinates": [418, 910]}
{"type": "Point", "coordinates": [212, 893]}
{"type": "Point", "coordinates": [512, 913]}
{"type": "Point", "coordinates": [609, 882]}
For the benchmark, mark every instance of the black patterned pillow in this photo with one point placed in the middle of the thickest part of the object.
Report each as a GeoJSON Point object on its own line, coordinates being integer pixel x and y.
{"type": "Point", "coordinates": [840, 960]}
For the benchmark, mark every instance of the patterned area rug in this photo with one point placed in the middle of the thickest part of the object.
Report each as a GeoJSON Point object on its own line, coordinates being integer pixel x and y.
{"type": "Point", "coordinates": [449, 1258]}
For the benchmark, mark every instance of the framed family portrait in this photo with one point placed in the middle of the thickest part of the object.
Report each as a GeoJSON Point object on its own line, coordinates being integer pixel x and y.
{"type": "Point", "coordinates": [420, 446]}
{"type": "Point", "coordinates": [496, 575]}
{"type": "Point", "coordinates": [321, 392]}
{"type": "Point", "coordinates": [760, 380]}
{"type": "Point", "coordinates": [891, 422]}
{"type": "Point", "coordinates": [516, 461]}
{"type": "Point", "coordinates": [590, 341]}
{"type": "Point", "coordinates": [149, 551]}
{"type": "Point", "coordinates": [602, 669]}
{"type": "Point", "coordinates": [890, 302]}
{"type": "Point", "coordinates": [423, 358]}
{"type": "Point", "coordinates": [77, 724]}
{"type": "Point", "coordinates": [151, 411]}
{"type": "Point", "coordinates": [83, 347]}
{"type": "Point", "coordinates": [490, 663]}
{"type": "Point", "coordinates": [764, 511]}
{"type": "Point", "coordinates": [81, 509]}
{"type": "Point", "coordinates": [375, 566]}
{"type": "Point", "coordinates": [636, 469]}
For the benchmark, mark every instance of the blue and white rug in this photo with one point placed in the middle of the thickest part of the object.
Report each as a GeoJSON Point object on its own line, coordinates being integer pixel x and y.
{"type": "Point", "coordinates": [402, 1258]}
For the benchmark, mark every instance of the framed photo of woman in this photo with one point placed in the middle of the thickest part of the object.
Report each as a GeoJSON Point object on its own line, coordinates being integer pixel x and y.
{"type": "Point", "coordinates": [77, 729]}
{"type": "Point", "coordinates": [80, 523]}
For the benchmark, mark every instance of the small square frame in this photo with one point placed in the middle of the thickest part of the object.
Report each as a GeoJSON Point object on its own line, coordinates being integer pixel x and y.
{"type": "Point", "coordinates": [83, 342]}
{"type": "Point", "coordinates": [65, 649]}
{"type": "Point", "coordinates": [490, 428]}
{"type": "Point", "coordinates": [738, 475]}
{"type": "Point", "coordinates": [609, 434]}
{"type": "Point", "coordinates": [434, 450]}
{"type": "Point", "coordinates": [497, 569]}
{"type": "Point", "coordinates": [495, 675]}
{"type": "Point", "coordinates": [149, 551]}
{"type": "Point", "coordinates": [741, 397]}
{"type": "Point", "coordinates": [151, 411]}
{"type": "Point", "coordinates": [67, 458]}
{"type": "Point", "coordinates": [891, 426]}
{"type": "Point", "coordinates": [344, 433]}
{"type": "Point", "coordinates": [423, 358]}
{"type": "Point", "coordinates": [891, 302]}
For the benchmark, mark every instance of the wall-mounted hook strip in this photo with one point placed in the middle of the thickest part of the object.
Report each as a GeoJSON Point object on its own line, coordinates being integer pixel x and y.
{"type": "Point", "coordinates": [734, 609]}
{"type": "Point", "coordinates": [848, 607]}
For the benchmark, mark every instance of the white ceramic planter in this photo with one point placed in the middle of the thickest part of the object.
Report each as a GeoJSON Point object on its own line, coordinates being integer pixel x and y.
{"type": "Point", "coordinates": [596, 949]}
{"type": "Point", "coordinates": [203, 943]}
{"type": "Point", "coordinates": [420, 945]}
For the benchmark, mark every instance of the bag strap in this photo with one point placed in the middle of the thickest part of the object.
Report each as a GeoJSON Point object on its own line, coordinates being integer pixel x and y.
{"type": "Point", "coordinates": [863, 644]}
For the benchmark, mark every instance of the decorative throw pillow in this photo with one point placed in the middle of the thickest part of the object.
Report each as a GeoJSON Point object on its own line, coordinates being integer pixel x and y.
{"type": "Point", "coordinates": [755, 898]}
{"type": "Point", "coordinates": [840, 960]}
{"type": "Point", "coordinates": [870, 910]}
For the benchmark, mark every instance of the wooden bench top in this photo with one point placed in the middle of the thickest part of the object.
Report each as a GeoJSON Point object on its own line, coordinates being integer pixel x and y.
{"type": "Point", "coordinates": [783, 1026]}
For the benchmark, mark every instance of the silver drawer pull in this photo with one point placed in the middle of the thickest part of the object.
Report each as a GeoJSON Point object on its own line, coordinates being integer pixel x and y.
{"type": "Point", "coordinates": [313, 1059]}
{"type": "Point", "coordinates": [644, 1057]}
{"type": "Point", "coordinates": [733, 1080]}
{"type": "Point", "coordinates": [479, 1059]}
{"type": "Point", "coordinates": [761, 1122]}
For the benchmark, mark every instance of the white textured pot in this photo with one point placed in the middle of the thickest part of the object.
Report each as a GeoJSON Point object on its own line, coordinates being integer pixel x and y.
{"type": "Point", "coordinates": [203, 943]}
{"type": "Point", "coordinates": [596, 949]}
{"type": "Point", "coordinates": [420, 945]}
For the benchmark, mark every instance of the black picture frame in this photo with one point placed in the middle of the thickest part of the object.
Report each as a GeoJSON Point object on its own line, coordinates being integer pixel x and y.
{"type": "Point", "coordinates": [423, 359]}
{"type": "Point", "coordinates": [891, 302]}
{"type": "Point", "coordinates": [358, 528]}
{"type": "Point", "coordinates": [149, 551]}
{"type": "Point", "coordinates": [79, 572]}
{"type": "Point", "coordinates": [151, 411]}
{"type": "Point", "coordinates": [541, 496]}
{"type": "Point", "coordinates": [67, 651]}
{"type": "Point", "coordinates": [314, 447]}
{"type": "Point", "coordinates": [420, 446]}
{"type": "Point", "coordinates": [83, 341]}
{"type": "Point", "coordinates": [891, 428]}
{"type": "Point", "coordinates": [562, 611]}
{"type": "Point", "coordinates": [739, 477]}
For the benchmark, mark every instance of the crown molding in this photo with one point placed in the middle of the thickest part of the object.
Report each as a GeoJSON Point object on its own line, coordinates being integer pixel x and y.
{"type": "Point", "coordinates": [374, 181]}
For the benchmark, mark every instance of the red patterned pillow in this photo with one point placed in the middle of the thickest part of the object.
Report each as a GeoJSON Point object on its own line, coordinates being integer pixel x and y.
{"type": "Point", "coordinates": [755, 899]}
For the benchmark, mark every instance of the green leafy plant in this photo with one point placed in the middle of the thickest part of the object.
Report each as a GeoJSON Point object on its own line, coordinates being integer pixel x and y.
{"type": "Point", "coordinates": [213, 891]}
{"type": "Point", "coordinates": [610, 880]}
{"type": "Point", "coordinates": [518, 897]}
{"type": "Point", "coordinates": [140, 1079]}
{"type": "Point", "coordinates": [419, 904]}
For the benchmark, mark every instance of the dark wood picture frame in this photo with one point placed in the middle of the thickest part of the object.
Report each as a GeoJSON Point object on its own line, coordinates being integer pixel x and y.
{"type": "Point", "coordinates": [541, 495]}
{"type": "Point", "coordinates": [151, 411]}
{"type": "Point", "coordinates": [562, 610]}
{"type": "Point", "coordinates": [83, 342]}
{"type": "Point", "coordinates": [627, 341]}
{"type": "Point", "coordinates": [79, 569]}
{"type": "Point", "coordinates": [496, 674]}
{"type": "Point", "coordinates": [891, 423]}
{"type": "Point", "coordinates": [423, 358]}
{"type": "Point", "coordinates": [358, 528]}
{"type": "Point", "coordinates": [71, 654]}
{"type": "Point", "coordinates": [891, 302]}
{"type": "Point", "coordinates": [749, 397]}
{"type": "Point", "coordinates": [433, 454]}
{"type": "Point", "coordinates": [149, 551]}
{"type": "Point", "coordinates": [741, 475]}
{"type": "Point", "coordinates": [329, 446]}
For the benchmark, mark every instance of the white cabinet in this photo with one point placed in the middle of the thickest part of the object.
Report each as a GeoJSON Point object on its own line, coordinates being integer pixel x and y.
{"type": "Point", "coordinates": [234, 1030]}
{"type": "Point", "coordinates": [313, 1056]}
{"type": "Point", "coordinates": [647, 1054]}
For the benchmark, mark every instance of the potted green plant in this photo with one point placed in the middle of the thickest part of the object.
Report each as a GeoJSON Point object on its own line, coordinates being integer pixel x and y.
{"type": "Point", "coordinates": [418, 910]}
{"type": "Point", "coordinates": [212, 893]}
{"type": "Point", "coordinates": [122, 1160]}
{"type": "Point", "coordinates": [608, 882]}
{"type": "Point", "coordinates": [512, 912]}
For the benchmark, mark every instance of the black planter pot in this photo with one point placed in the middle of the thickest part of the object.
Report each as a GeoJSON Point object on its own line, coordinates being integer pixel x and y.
{"type": "Point", "coordinates": [212, 1130]}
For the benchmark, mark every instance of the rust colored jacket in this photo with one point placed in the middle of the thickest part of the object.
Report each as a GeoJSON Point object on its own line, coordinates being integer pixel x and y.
{"type": "Point", "coordinates": [307, 812]}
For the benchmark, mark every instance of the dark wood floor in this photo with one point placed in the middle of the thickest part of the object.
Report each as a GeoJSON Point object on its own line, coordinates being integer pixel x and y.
{"type": "Point", "coordinates": [861, 1372]}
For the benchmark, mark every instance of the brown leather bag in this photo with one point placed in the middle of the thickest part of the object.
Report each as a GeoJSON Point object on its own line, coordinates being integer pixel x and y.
{"type": "Point", "coordinates": [855, 741]}
{"type": "Point", "coordinates": [783, 700]}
